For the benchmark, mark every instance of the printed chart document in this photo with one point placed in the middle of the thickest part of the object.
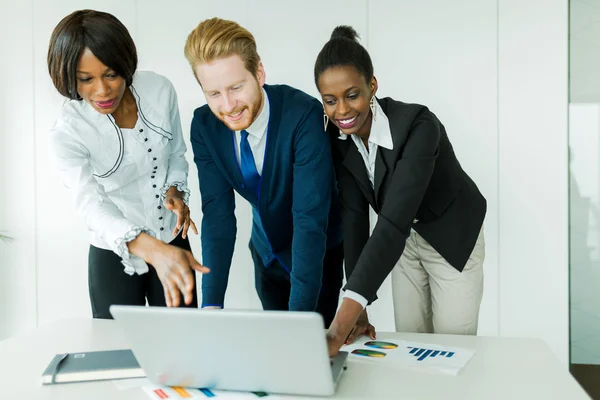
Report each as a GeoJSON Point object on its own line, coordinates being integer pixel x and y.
{"type": "Point", "coordinates": [432, 357]}
{"type": "Point", "coordinates": [160, 392]}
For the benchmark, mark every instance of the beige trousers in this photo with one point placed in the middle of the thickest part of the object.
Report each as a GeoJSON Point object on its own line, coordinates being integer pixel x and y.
{"type": "Point", "coordinates": [431, 296]}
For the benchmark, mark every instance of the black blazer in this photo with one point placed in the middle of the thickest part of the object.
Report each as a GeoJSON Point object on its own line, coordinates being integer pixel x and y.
{"type": "Point", "coordinates": [419, 184]}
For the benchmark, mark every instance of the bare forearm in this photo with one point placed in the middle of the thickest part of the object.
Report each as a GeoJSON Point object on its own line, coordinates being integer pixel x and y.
{"type": "Point", "coordinates": [344, 320]}
{"type": "Point", "coordinates": [145, 246]}
{"type": "Point", "coordinates": [174, 192]}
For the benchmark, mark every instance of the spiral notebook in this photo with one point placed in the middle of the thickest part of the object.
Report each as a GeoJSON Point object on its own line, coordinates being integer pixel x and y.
{"type": "Point", "coordinates": [92, 366]}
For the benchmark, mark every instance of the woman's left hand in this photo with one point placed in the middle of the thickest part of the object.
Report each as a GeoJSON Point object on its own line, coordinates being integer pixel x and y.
{"type": "Point", "coordinates": [174, 202]}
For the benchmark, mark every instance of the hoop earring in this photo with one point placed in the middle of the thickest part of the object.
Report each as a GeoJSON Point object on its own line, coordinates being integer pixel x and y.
{"type": "Point", "coordinates": [325, 120]}
{"type": "Point", "coordinates": [373, 105]}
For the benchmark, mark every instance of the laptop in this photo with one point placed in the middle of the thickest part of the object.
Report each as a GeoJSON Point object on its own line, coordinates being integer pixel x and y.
{"type": "Point", "coordinates": [256, 351]}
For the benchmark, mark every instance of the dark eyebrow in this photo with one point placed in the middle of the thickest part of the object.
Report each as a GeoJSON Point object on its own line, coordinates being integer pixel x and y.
{"type": "Point", "coordinates": [345, 91]}
{"type": "Point", "coordinates": [84, 72]}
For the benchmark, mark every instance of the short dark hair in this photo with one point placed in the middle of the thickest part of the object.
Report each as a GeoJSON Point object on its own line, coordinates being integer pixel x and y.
{"type": "Point", "coordinates": [343, 49]}
{"type": "Point", "coordinates": [103, 34]}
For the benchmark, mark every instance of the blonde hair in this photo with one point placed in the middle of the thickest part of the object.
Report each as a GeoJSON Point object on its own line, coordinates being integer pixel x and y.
{"type": "Point", "coordinates": [217, 38]}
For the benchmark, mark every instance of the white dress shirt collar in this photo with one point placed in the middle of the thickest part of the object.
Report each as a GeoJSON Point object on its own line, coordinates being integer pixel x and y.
{"type": "Point", "coordinates": [381, 135]}
{"type": "Point", "coordinates": [259, 127]}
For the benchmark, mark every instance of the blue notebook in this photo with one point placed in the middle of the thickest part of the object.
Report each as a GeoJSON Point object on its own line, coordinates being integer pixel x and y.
{"type": "Point", "coordinates": [92, 366]}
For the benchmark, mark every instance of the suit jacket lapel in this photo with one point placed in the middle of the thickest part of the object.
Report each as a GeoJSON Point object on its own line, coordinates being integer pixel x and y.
{"type": "Point", "coordinates": [225, 139]}
{"type": "Point", "coordinates": [355, 164]}
{"type": "Point", "coordinates": [271, 147]}
{"type": "Point", "coordinates": [380, 170]}
{"type": "Point", "coordinates": [385, 158]}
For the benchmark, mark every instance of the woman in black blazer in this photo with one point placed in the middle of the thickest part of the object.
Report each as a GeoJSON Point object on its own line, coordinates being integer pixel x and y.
{"type": "Point", "coordinates": [396, 157]}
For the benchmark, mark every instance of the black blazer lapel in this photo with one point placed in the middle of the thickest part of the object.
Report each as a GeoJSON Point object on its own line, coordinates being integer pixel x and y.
{"type": "Point", "coordinates": [355, 164]}
{"type": "Point", "coordinates": [386, 159]}
{"type": "Point", "coordinates": [380, 171]}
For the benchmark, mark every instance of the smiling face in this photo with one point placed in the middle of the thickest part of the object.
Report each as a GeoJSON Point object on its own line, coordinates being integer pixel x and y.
{"type": "Point", "coordinates": [346, 96]}
{"type": "Point", "coordinates": [232, 92]}
{"type": "Point", "coordinates": [98, 84]}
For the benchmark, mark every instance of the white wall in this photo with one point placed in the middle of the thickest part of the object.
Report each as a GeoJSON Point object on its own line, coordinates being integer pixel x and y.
{"type": "Point", "coordinates": [463, 59]}
{"type": "Point", "coordinates": [533, 173]}
{"type": "Point", "coordinates": [18, 295]}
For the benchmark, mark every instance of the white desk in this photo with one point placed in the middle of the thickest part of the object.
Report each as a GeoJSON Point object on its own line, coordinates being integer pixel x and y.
{"type": "Point", "coordinates": [490, 374]}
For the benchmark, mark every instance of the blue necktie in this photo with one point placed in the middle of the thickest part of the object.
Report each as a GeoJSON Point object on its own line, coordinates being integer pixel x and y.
{"type": "Point", "coordinates": [248, 166]}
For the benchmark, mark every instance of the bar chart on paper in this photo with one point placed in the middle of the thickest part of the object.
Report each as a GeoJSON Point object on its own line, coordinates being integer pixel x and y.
{"type": "Point", "coordinates": [448, 360]}
{"type": "Point", "coordinates": [422, 353]}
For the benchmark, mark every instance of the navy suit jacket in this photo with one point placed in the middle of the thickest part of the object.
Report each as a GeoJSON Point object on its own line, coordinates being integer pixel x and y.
{"type": "Point", "coordinates": [297, 200]}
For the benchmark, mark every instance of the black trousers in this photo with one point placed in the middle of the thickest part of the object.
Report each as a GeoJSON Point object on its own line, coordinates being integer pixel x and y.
{"type": "Point", "coordinates": [108, 284]}
{"type": "Point", "coordinates": [273, 283]}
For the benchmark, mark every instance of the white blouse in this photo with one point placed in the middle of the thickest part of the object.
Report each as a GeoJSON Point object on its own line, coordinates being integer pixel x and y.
{"type": "Point", "coordinates": [380, 136]}
{"type": "Point", "coordinates": [120, 176]}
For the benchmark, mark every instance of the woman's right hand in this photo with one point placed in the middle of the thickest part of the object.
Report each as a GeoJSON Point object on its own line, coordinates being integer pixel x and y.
{"type": "Point", "coordinates": [175, 268]}
{"type": "Point", "coordinates": [362, 327]}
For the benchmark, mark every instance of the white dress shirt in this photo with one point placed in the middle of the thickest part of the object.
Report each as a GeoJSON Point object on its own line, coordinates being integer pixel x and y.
{"type": "Point", "coordinates": [380, 135]}
{"type": "Point", "coordinates": [257, 136]}
{"type": "Point", "coordinates": [120, 176]}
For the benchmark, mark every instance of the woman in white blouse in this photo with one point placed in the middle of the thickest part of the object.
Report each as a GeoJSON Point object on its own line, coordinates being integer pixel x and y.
{"type": "Point", "coordinates": [119, 147]}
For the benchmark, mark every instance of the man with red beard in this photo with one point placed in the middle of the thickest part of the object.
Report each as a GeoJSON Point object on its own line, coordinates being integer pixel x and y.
{"type": "Point", "coordinates": [268, 143]}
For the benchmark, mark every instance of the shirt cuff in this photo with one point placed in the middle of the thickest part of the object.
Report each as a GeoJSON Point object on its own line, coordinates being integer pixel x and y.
{"type": "Point", "coordinates": [356, 297]}
{"type": "Point", "coordinates": [132, 263]}
{"type": "Point", "coordinates": [181, 186]}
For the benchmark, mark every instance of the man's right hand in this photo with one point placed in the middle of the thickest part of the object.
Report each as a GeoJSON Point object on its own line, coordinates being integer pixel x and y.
{"type": "Point", "coordinates": [174, 267]}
